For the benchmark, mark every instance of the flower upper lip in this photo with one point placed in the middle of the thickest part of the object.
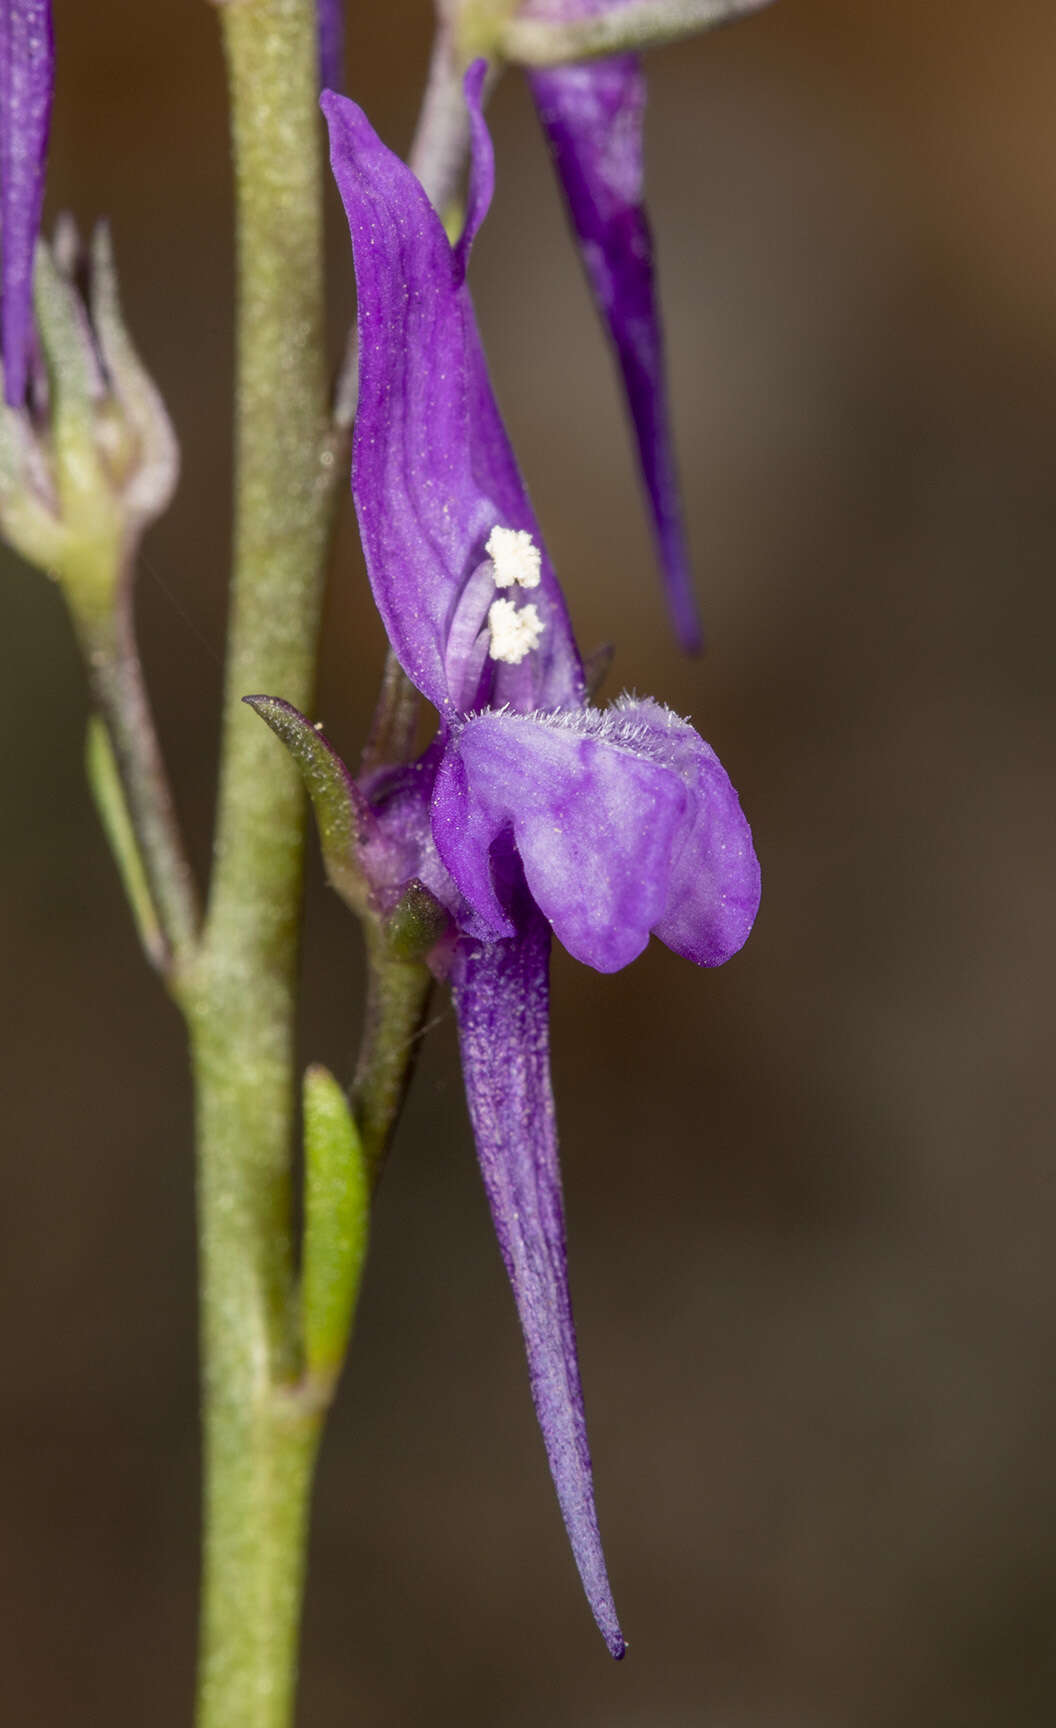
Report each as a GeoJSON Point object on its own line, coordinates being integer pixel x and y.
{"type": "Point", "coordinates": [433, 473]}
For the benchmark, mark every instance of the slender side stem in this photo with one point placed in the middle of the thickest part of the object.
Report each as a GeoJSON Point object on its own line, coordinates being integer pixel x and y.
{"type": "Point", "coordinates": [616, 29]}
{"type": "Point", "coordinates": [260, 1442]}
{"type": "Point", "coordinates": [441, 137]}
{"type": "Point", "coordinates": [109, 646]}
{"type": "Point", "coordinates": [397, 998]}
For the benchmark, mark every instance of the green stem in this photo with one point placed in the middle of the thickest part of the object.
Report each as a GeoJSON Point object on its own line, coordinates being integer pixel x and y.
{"type": "Point", "coordinates": [262, 1415]}
{"type": "Point", "coordinates": [259, 1440]}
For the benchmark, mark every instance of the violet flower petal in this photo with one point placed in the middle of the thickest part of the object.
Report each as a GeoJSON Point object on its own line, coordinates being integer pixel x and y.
{"type": "Point", "coordinates": [594, 826]}
{"type": "Point", "coordinates": [593, 115]}
{"type": "Point", "coordinates": [502, 1002]}
{"type": "Point", "coordinates": [432, 469]}
{"type": "Point", "coordinates": [714, 883]}
{"type": "Point", "coordinates": [625, 822]}
{"type": "Point", "coordinates": [331, 37]}
{"type": "Point", "coordinates": [27, 75]}
{"type": "Point", "coordinates": [464, 832]}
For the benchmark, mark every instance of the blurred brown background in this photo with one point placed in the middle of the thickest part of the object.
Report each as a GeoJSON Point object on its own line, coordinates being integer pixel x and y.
{"type": "Point", "coordinates": [810, 1195]}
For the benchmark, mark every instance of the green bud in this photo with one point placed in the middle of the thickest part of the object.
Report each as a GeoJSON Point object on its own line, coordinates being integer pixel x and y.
{"type": "Point", "coordinates": [29, 519]}
{"type": "Point", "coordinates": [88, 464]}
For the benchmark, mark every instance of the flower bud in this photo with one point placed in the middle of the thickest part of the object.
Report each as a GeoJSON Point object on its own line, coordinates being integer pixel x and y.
{"type": "Point", "coordinates": [89, 459]}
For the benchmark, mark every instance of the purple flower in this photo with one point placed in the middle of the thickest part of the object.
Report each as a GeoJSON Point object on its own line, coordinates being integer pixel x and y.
{"type": "Point", "coordinates": [593, 115]}
{"type": "Point", "coordinates": [27, 74]}
{"type": "Point", "coordinates": [531, 811]}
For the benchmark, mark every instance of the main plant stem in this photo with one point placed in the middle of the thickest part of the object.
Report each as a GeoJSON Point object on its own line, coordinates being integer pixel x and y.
{"type": "Point", "coordinates": [261, 1419]}
{"type": "Point", "coordinates": [259, 1438]}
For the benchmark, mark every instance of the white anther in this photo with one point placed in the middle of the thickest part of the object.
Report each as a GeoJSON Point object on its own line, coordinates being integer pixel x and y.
{"type": "Point", "coordinates": [516, 559]}
{"type": "Point", "coordinates": [515, 631]}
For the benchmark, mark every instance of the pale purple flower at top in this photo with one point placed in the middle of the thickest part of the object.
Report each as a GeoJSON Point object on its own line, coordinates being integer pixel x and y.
{"type": "Point", "coordinates": [593, 117]}
{"type": "Point", "coordinates": [531, 811]}
{"type": "Point", "coordinates": [27, 76]}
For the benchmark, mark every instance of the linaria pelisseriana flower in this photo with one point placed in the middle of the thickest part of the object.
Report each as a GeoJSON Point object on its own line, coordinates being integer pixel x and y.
{"type": "Point", "coordinates": [531, 812]}
{"type": "Point", "coordinates": [27, 76]}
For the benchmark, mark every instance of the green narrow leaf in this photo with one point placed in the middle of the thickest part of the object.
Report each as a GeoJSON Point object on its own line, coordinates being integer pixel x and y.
{"type": "Point", "coordinates": [105, 784]}
{"type": "Point", "coordinates": [336, 1222]}
{"type": "Point", "coordinates": [336, 800]}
